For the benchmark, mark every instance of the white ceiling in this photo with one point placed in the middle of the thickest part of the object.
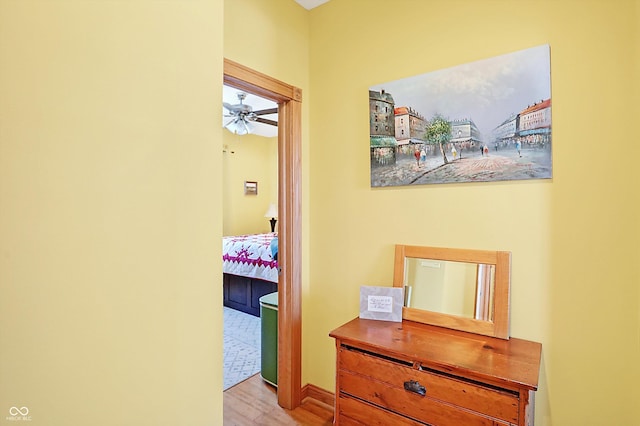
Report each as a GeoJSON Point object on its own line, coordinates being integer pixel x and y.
{"type": "Point", "coordinates": [230, 95]}
{"type": "Point", "coordinates": [310, 4]}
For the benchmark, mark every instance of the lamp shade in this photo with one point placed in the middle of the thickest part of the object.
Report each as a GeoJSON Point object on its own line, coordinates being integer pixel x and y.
{"type": "Point", "coordinates": [272, 211]}
{"type": "Point", "coordinates": [238, 126]}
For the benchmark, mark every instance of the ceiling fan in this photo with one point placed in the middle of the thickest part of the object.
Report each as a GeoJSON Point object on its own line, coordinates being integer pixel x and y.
{"type": "Point", "coordinates": [242, 116]}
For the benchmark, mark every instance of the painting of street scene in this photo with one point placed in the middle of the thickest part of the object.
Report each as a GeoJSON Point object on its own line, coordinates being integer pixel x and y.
{"type": "Point", "coordinates": [482, 121]}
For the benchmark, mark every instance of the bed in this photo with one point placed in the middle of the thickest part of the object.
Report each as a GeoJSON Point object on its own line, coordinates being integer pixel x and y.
{"type": "Point", "coordinates": [250, 270]}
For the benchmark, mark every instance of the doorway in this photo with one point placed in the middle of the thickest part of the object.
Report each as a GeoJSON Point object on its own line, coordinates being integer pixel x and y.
{"type": "Point", "coordinates": [289, 99]}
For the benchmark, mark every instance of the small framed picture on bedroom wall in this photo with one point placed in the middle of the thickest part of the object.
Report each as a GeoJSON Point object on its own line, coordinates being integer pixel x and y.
{"type": "Point", "coordinates": [250, 187]}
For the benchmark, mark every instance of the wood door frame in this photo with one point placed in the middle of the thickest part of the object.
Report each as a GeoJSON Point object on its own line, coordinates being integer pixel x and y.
{"type": "Point", "coordinates": [289, 99]}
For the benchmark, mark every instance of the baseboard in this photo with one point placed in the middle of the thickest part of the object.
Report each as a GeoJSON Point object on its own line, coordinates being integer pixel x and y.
{"type": "Point", "coordinates": [317, 393]}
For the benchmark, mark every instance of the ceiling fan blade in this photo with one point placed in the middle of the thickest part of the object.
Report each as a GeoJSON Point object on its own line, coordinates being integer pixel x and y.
{"type": "Point", "coordinates": [266, 121]}
{"type": "Point", "coordinates": [238, 108]}
{"type": "Point", "coordinates": [266, 111]}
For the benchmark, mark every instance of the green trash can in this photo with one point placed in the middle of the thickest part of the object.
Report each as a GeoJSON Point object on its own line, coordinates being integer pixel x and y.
{"type": "Point", "coordinates": [269, 338]}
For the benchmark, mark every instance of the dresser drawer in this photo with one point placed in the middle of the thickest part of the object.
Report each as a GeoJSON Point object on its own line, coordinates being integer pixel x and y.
{"type": "Point", "coordinates": [381, 381]}
{"type": "Point", "coordinates": [355, 412]}
{"type": "Point", "coordinates": [423, 409]}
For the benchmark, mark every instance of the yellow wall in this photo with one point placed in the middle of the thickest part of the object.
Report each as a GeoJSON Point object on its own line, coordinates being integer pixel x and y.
{"type": "Point", "coordinates": [636, 95]}
{"type": "Point", "coordinates": [248, 158]}
{"type": "Point", "coordinates": [110, 192]}
{"type": "Point", "coordinates": [637, 114]}
{"type": "Point", "coordinates": [110, 153]}
{"type": "Point", "coordinates": [574, 238]}
{"type": "Point", "coordinates": [272, 37]}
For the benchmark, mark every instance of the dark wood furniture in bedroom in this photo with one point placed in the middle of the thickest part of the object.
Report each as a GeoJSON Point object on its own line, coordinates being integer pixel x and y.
{"type": "Point", "coordinates": [243, 293]}
{"type": "Point", "coordinates": [435, 368]}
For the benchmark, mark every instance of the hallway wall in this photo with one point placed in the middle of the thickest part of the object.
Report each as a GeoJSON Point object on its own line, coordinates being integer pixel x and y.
{"type": "Point", "coordinates": [574, 238]}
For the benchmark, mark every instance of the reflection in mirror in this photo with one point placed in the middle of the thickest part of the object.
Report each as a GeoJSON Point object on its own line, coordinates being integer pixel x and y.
{"type": "Point", "coordinates": [454, 288]}
{"type": "Point", "coordinates": [461, 289]}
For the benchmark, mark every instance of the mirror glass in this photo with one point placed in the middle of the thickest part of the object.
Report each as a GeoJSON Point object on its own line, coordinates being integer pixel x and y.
{"type": "Point", "coordinates": [461, 289]}
{"type": "Point", "coordinates": [455, 288]}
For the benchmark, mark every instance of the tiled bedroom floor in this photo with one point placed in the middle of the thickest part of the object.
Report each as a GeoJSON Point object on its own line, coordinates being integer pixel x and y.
{"type": "Point", "coordinates": [241, 346]}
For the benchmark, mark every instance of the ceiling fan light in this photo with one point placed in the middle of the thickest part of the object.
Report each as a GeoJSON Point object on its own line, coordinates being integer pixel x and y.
{"type": "Point", "coordinates": [245, 126]}
{"type": "Point", "coordinates": [241, 129]}
{"type": "Point", "coordinates": [241, 119]}
{"type": "Point", "coordinates": [238, 127]}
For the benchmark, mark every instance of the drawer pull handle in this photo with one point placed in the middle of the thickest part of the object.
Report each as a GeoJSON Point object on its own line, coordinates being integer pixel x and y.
{"type": "Point", "coordinates": [415, 387]}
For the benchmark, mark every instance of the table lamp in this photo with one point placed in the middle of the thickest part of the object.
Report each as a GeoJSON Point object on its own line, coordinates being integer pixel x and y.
{"type": "Point", "coordinates": [272, 212]}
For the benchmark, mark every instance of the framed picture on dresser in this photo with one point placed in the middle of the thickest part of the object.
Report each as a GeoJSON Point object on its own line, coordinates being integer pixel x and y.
{"type": "Point", "coordinates": [381, 303]}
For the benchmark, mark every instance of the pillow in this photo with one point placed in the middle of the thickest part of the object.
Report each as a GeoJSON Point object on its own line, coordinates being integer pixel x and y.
{"type": "Point", "coordinates": [274, 248]}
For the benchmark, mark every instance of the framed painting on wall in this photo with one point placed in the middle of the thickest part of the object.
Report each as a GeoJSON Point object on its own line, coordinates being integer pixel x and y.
{"type": "Point", "coordinates": [483, 121]}
{"type": "Point", "coordinates": [250, 187]}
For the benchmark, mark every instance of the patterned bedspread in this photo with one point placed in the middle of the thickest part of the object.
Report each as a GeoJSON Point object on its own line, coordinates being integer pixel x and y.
{"type": "Point", "coordinates": [250, 256]}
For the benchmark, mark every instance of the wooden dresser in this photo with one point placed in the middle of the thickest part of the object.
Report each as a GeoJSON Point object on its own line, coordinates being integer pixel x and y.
{"type": "Point", "coordinates": [408, 373]}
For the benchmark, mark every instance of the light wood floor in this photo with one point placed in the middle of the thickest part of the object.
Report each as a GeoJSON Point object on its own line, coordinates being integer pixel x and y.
{"type": "Point", "coordinates": [254, 402]}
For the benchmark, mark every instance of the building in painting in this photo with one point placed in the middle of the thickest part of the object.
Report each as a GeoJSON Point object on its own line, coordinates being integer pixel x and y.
{"type": "Point", "coordinates": [534, 127]}
{"type": "Point", "coordinates": [465, 135]}
{"type": "Point", "coordinates": [410, 126]}
{"type": "Point", "coordinates": [506, 132]}
{"type": "Point", "coordinates": [382, 128]}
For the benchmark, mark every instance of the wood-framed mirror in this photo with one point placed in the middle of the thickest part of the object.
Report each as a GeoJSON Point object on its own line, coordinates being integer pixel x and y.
{"type": "Point", "coordinates": [461, 289]}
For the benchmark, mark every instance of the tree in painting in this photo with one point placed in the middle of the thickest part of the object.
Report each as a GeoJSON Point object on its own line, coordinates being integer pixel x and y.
{"type": "Point", "coordinates": [439, 133]}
